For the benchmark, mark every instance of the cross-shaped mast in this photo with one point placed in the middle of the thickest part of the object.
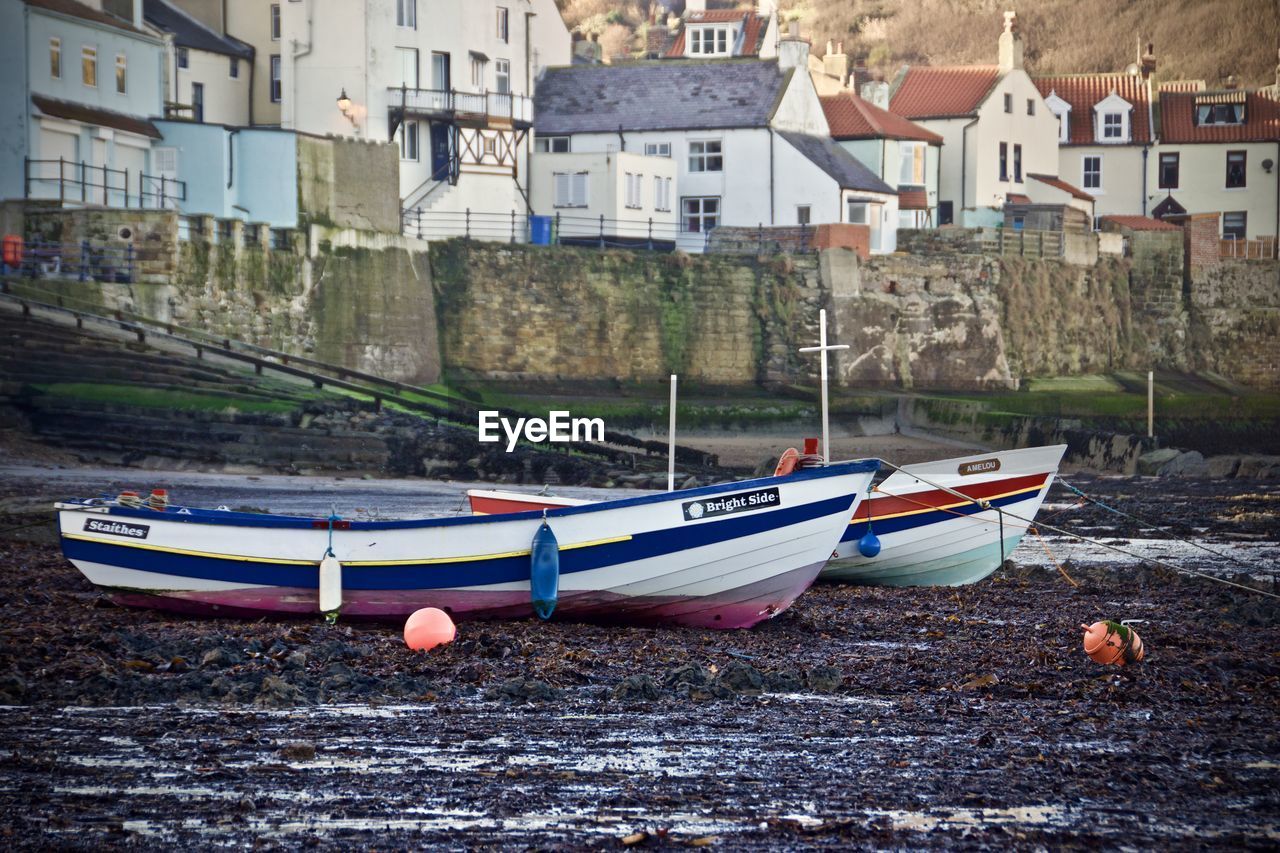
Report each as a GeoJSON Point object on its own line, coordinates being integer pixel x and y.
{"type": "Point", "coordinates": [823, 347]}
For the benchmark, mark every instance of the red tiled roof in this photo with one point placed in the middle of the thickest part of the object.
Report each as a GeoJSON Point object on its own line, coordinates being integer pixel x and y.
{"type": "Point", "coordinates": [1182, 86]}
{"type": "Point", "coordinates": [944, 91]}
{"type": "Point", "coordinates": [751, 22]}
{"type": "Point", "coordinates": [850, 117]}
{"type": "Point", "coordinates": [80, 10]}
{"type": "Point", "coordinates": [94, 115]}
{"type": "Point", "coordinates": [1177, 120]}
{"type": "Point", "coordinates": [1141, 223]}
{"type": "Point", "coordinates": [1017, 198]}
{"type": "Point", "coordinates": [912, 199]}
{"type": "Point", "coordinates": [1084, 91]}
{"type": "Point", "coordinates": [1058, 183]}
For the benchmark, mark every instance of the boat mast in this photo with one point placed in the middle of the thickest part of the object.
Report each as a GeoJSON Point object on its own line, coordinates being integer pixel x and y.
{"type": "Point", "coordinates": [824, 348]}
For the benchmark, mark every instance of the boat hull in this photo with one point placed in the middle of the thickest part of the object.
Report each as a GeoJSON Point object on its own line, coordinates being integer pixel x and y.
{"type": "Point", "coordinates": [648, 560]}
{"type": "Point", "coordinates": [930, 537]}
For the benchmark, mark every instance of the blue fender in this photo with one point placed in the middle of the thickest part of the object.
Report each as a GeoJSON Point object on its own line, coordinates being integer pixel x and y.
{"type": "Point", "coordinates": [544, 572]}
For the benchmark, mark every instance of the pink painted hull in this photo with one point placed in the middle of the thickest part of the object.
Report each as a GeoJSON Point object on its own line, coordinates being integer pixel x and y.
{"type": "Point", "coordinates": [741, 607]}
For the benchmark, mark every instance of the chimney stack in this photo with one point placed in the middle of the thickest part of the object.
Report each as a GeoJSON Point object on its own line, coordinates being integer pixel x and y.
{"type": "Point", "coordinates": [793, 51]}
{"type": "Point", "coordinates": [1147, 62]}
{"type": "Point", "coordinates": [1010, 43]}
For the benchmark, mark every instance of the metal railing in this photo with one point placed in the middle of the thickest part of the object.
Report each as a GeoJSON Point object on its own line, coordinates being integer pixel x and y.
{"type": "Point", "coordinates": [558, 229]}
{"type": "Point", "coordinates": [1263, 248]}
{"type": "Point", "coordinates": [83, 261]}
{"type": "Point", "coordinates": [79, 182]}
{"type": "Point", "coordinates": [450, 102]}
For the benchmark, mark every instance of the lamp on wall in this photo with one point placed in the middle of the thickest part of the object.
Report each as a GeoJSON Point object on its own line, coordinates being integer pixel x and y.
{"type": "Point", "coordinates": [344, 106]}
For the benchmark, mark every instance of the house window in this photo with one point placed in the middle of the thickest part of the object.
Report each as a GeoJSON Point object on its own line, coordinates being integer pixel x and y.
{"type": "Point", "coordinates": [275, 79]}
{"type": "Point", "coordinates": [89, 65]}
{"type": "Point", "coordinates": [657, 149]}
{"type": "Point", "coordinates": [1092, 173]}
{"type": "Point", "coordinates": [477, 72]}
{"type": "Point", "coordinates": [440, 71]}
{"type": "Point", "coordinates": [275, 22]}
{"type": "Point", "coordinates": [911, 164]}
{"type": "Point", "coordinates": [633, 190]}
{"type": "Point", "coordinates": [491, 146]}
{"type": "Point", "coordinates": [858, 211]}
{"type": "Point", "coordinates": [1112, 126]}
{"type": "Point", "coordinates": [1017, 164]}
{"type": "Point", "coordinates": [551, 144]}
{"type": "Point", "coordinates": [1004, 161]}
{"type": "Point", "coordinates": [251, 235]}
{"type": "Point", "coordinates": [408, 60]}
{"type": "Point", "coordinates": [708, 40]}
{"type": "Point", "coordinates": [407, 14]}
{"type": "Point", "coordinates": [1169, 171]}
{"type": "Point", "coordinates": [235, 68]}
{"type": "Point", "coordinates": [802, 214]}
{"type": "Point", "coordinates": [1031, 106]}
{"type": "Point", "coordinates": [1008, 102]}
{"type": "Point", "coordinates": [701, 214]}
{"type": "Point", "coordinates": [503, 28]}
{"type": "Point", "coordinates": [122, 80]}
{"type": "Point", "coordinates": [1235, 169]}
{"type": "Point", "coordinates": [55, 58]}
{"type": "Point", "coordinates": [502, 68]}
{"type": "Point", "coordinates": [1019, 223]}
{"type": "Point", "coordinates": [1233, 225]}
{"type": "Point", "coordinates": [197, 102]}
{"type": "Point", "coordinates": [661, 193]}
{"type": "Point", "coordinates": [409, 140]}
{"type": "Point", "coordinates": [706, 157]}
{"type": "Point", "coordinates": [1219, 114]}
{"type": "Point", "coordinates": [184, 58]}
{"type": "Point", "coordinates": [571, 189]}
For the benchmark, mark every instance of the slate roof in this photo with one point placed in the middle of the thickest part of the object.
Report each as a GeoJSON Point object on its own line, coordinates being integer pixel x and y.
{"type": "Point", "coordinates": [1057, 183]}
{"type": "Point", "coordinates": [188, 32]}
{"type": "Point", "coordinates": [850, 117]}
{"type": "Point", "coordinates": [926, 91]}
{"type": "Point", "coordinates": [830, 157]}
{"type": "Point", "coordinates": [1084, 91]}
{"type": "Point", "coordinates": [753, 24]}
{"type": "Point", "coordinates": [1141, 223]}
{"type": "Point", "coordinates": [1178, 110]}
{"type": "Point", "coordinates": [79, 10]}
{"type": "Point", "coordinates": [95, 115]}
{"type": "Point", "coordinates": [668, 95]}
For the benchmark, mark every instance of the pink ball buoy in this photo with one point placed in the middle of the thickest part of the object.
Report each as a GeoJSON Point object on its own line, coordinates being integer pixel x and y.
{"type": "Point", "coordinates": [428, 628]}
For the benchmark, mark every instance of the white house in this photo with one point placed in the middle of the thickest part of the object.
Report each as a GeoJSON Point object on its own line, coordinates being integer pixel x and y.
{"type": "Point", "coordinates": [80, 88]}
{"type": "Point", "coordinates": [749, 139]}
{"type": "Point", "coordinates": [704, 33]}
{"type": "Point", "coordinates": [1104, 136]}
{"type": "Point", "coordinates": [995, 126]}
{"type": "Point", "coordinates": [207, 72]}
{"type": "Point", "coordinates": [450, 83]}
{"type": "Point", "coordinates": [612, 197]}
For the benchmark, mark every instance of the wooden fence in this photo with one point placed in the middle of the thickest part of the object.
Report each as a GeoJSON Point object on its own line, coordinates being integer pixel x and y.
{"type": "Point", "coordinates": [1262, 248]}
{"type": "Point", "coordinates": [1031, 244]}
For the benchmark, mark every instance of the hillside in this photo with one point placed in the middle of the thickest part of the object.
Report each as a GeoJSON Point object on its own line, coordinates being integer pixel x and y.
{"type": "Point", "coordinates": [1192, 38]}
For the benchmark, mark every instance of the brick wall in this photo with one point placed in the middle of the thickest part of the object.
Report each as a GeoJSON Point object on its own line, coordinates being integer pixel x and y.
{"type": "Point", "coordinates": [844, 236]}
{"type": "Point", "coordinates": [1200, 240]}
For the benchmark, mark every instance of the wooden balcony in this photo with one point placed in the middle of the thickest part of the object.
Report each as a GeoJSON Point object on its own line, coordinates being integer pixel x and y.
{"type": "Point", "coordinates": [468, 109]}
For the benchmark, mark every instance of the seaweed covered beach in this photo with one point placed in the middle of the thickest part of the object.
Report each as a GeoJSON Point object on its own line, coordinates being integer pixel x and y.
{"type": "Point", "coordinates": [955, 717]}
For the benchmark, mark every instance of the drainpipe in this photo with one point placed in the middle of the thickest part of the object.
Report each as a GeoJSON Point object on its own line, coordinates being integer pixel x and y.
{"type": "Point", "coordinates": [622, 140]}
{"type": "Point", "coordinates": [1146, 150]}
{"type": "Point", "coordinates": [231, 158]}
{"type": "Point", "coordinates": [297, 49]}
{"type": "Point", "coordinates": [771, 219]}
{"type": "Point", "coordinates": [1277, 243]}
{"type": "Point", "coordinates": [964, 162]}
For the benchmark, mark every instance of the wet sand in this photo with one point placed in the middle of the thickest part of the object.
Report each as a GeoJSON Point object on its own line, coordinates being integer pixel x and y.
{"type": "Point", "coordinates": [860, 717]}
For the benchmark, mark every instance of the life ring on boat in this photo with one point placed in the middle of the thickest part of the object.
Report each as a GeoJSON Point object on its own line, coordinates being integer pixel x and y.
{"type": "Point", "coordinates": [787, 462]}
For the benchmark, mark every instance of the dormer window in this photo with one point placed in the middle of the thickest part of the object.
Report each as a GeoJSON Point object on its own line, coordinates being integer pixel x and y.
{"type": "Point", "coordinates": [710, 41]}
{"type": "Point", "coordinates": [1111, 120]}
{"type": "Point", "coordinates": [1211, 114]}
{"type": "Point", "coordinates": [1062, 110]}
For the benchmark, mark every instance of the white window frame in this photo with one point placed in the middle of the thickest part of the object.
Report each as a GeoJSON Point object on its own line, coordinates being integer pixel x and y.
{"type": "Point", "coordinates": [89, 65]}
{"type": "Point", "coordinates": [551, 145]}
{"type": "Point", "coordinates": [701, 215]}
{"type": "Point", "coordinates": [477, 72]}
{"type": "Point", "coordinates": [504, 25]}
{"type": "Point", "coordinates": [502, 76]}
{"type": "Point", "coordinates": [275, 87]}
{"type": "Point", "coordinates": [702, 154]}
{"type": "Point", "coordinates": [571, 189]}
{"type": "Point", "coordinates": [55, 58]}
{"type": "Point", "coordinates": [1244, 224]}
{"type": "Point", "coordinates": [1062, 110]}
{"type": "Point", "coordinates": [657, 149]}
{"type": "Point", "coordinates": [409, 66]}
{"type": "Point", "coordinates": [1084, 174]}
{"type": "Point", "coordinates": [632, 186]}
{"type": "Point", "coordinates": [916, 152]}
{"type": "Point", "coordinates": [233, 68]}
{"type": "Point", "coordinates": [711, 41]}
{"type": "Point", "coordinates": [182, 57]}
{"type": "Point", "coordinates": [661, 193]}
{"type": "Point", "coordinates": [862, 207]}
{"type": "Point", "coordinates": [410, 141]}
{"type": "Point", "coordinates": [122, 74]}
{"type": "Point", "coordinates": [1112, 113]}
{"type": "Point", "coordinates": [407, 14]}
{"type": "Point", "coordinates": [275, 21]}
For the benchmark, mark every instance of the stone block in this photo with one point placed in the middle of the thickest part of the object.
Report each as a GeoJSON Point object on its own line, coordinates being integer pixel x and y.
{"type": "Point", "coordinates": [1149, 464]}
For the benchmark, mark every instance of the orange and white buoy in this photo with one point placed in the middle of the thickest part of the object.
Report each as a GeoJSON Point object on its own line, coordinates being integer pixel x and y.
{"type": "Point", "coordinates": [428, 628]}
{"type": "Point", "coordinates": [1112, 643]}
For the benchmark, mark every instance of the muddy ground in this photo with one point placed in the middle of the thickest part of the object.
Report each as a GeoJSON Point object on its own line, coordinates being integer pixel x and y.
{"type": "Point", "coordinates": [860, 717]}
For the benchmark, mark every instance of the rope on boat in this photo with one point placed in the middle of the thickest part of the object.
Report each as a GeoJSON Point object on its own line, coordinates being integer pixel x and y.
{"type": "Point", "coordinates": [1052, 559]}
{"type": "Point", "coordinates": [1060, 531]}
{"type": "Point", "coordinates": [1164, 530]}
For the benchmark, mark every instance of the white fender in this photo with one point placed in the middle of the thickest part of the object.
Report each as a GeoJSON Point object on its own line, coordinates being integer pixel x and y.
{"type": "Point", "coordinates": [330, 584]}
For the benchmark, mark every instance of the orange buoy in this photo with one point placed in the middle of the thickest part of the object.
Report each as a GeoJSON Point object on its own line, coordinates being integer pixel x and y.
{"type": "Point", "coordinates": [787, 462]}
{"type": "Point", "coordinates": [428, 628]}
{"type": "Point", "coordinates": [1112, 643]}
